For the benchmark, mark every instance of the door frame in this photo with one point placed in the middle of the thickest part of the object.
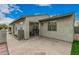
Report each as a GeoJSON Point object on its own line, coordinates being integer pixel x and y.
{"type": "Point", "coordinates": [32, 23]}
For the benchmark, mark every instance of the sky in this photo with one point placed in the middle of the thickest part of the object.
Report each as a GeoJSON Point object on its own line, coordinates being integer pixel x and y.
{"type": "Point", "coordinates": [10, 12]}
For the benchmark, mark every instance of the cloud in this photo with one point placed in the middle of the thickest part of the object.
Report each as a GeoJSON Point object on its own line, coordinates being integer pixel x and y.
{"type": "Point", "coordinates": [2, 15]}
{"type": "Point", "coordinates": [8, 8]}
{"type": "Point", "coordinates": [43, 4]}
{"type": "Point", "coordinates": [14, 7]}
{"type": "Point", "coordinates": [6, 20]}
{"type": "Point", "coordinates": [37, 13]}
{"type": "Point", "coordinates": [4, 8]}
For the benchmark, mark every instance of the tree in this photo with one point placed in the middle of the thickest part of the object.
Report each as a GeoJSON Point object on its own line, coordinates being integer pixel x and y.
{"type": "Point", "coordinates": [3, 26]}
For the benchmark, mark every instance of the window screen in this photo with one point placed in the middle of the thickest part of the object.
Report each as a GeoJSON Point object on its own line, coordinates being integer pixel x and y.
{"type": "Point", "coordinates": [52, 26]}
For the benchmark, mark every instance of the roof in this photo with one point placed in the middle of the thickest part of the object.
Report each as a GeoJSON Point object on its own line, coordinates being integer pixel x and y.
{"type": "Point", "coordinates": [19, 19]}
{"type": "Point", "coordinates": [46, 19]}
{"type": "Point", "coordinates": [56, 17]}
{"type": "Point", "coordinates": [23, 17]}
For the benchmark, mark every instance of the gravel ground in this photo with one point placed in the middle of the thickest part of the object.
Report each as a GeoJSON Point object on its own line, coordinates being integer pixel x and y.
{"type": "Point", "coordinates": [37, 46]}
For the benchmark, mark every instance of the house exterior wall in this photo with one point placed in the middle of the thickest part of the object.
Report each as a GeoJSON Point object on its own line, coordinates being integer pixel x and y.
{"type": "Point", "coordinates": [64, 31]}
{"type": "Point", "coordinates": [25, 24]}
{"type": "Point", "coordinates": [37, 18]}
{"type": "Point", "coordinates": [15, 30]}
{"type": "Point", "coordinates": [11, 28]}
{"type": "Point", "coordinates": [31, 19]}
{"type": "Point", "coordinates": [26, 28]}
{"type": "Point", "coordinates": [18, 27]}
{"type": "Point", "coordinates": [15, 27]}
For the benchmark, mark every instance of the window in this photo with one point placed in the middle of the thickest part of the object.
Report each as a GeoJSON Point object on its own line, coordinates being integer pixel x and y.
{"type": "Point", "coordinates": [52, 26]}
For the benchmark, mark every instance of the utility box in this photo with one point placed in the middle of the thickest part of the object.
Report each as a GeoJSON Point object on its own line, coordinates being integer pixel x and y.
{"type": "Point", "coordinates": [20, 34]}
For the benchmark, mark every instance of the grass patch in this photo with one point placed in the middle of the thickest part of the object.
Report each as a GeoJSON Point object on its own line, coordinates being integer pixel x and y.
{"type": "Point", "coordinates": [75, 48]}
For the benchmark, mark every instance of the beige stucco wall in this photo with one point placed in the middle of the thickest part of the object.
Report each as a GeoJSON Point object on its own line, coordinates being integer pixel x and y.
{"type": "Point", "coordinates": [31, 19]}
{"type": "Point", "coordinates": [19, 26]}
{"type": "Point", "coordinates": [25, 24]}
{"type": "Point", "coordinates": [37, 18]}
{"type": "Point", "coordinates": [64, 29]}
{"type": "Point", "coordinates": [11, 28]}
{"type": "Point", "coordinates": [26, 28]}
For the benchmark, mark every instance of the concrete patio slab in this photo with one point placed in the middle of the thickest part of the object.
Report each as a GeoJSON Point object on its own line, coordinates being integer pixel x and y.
{"type": "Point", "coordinates": [38, 46]}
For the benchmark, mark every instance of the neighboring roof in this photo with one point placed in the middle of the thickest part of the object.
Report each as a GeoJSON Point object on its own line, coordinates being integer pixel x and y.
{"type": "Point", "coordinates": [23, 17]}
{"type": "Point", "coordinates": [56, 17]}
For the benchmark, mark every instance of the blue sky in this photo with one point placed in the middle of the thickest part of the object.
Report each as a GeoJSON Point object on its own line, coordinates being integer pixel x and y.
{"type": "Point", "coordinates": [53, 9]}
{"type": "Point", "coordinates": [16, 10]}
